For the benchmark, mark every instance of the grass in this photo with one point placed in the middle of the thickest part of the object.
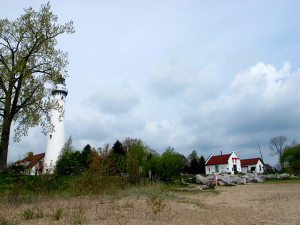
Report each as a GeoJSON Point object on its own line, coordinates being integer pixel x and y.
{"type": "Point", "coordinates": [58, 213]}
{"type": "Point", "coordinates": [28, 214]}
{"type": "Point", "coordinates": [5, 221]}
{"type": "Point", "coordinates": [198, 203]}
{"type": "Point", "coordinates": [74, 199]}
{"type": "Point", "coordinates": [66, 199]}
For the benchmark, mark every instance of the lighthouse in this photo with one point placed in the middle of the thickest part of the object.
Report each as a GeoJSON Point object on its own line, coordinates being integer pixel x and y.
{"type": "Point", "coordinates": [56, 138]}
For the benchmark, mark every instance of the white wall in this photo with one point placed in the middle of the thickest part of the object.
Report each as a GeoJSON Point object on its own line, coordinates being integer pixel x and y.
{"type": "Point", "coordinates": [212, 168]}
{"type": "Point", "coordinates": [236, 162]}
{"type": "Point", "coordinates": [259, 167]}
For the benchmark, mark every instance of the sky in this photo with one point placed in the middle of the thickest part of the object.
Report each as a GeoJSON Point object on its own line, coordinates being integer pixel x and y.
{"type": "Point", "coordinates": [198, 75]}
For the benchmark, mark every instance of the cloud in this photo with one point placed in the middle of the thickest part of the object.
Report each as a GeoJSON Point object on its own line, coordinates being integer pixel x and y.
{"type": "Point", "coordinates": [260, 103]}
{"type": "Point", "coordinates": [183, 76]}
{"type": "Point", "coordinates": [100, 128]}
{"type": "Point", "coordinates": [114, 100]}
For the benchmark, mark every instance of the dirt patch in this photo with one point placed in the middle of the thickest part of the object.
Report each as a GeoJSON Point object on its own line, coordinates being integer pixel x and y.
{"type": "Point", "coordinates": [245, 204]}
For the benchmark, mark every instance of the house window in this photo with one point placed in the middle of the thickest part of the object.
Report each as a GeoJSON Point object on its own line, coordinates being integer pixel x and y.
{"type": "Point", "coordinates": [216, 168]}
{"type": "Point", "coordinates": [259, 167]}
{"type": "Point", "coordinates": [50, 136]}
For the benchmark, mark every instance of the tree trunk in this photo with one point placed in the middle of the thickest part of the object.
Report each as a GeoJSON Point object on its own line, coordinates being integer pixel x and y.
{"type": "Point", "coordinates": [4, 142]}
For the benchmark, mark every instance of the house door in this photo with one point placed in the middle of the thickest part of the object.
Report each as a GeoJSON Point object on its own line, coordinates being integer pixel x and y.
{"type": "Point", "coordinates": [234, 168]}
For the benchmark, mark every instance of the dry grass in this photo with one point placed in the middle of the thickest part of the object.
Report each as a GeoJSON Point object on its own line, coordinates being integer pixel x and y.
{"type": "Point", "coordinates": [156, 204]}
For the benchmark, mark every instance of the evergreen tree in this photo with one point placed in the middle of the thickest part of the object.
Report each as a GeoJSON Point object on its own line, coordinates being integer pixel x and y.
{"type": "Point", "coordinates": [86, 155]}
{"type": "Point", "coordinates": [194, 166]}
{"type": "Point", "coordinates": [202, 165]}
{"type": "Point", "coordinates": [118, 148]}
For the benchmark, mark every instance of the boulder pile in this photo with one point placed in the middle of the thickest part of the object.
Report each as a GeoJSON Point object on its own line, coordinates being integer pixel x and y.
{"type": "Point", "coordinates": [228, 179]}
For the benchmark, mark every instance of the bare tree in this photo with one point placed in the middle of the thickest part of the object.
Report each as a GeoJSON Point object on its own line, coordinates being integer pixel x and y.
{"type": "Point", "coordinates": [277, 146]}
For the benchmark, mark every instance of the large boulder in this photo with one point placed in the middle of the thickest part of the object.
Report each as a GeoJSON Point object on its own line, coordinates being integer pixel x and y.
{"type": "Point", "coordinates": [234, 178]}
{"type": "Point", "coordinates": [211, 177]}
{"type": "Point", "coordinates": [225, 178]}
{"type": "Point", "coordinates": [221, 183]}
{"type": "Point", "coordinates": [201, 180]}
{"type": "Point", "coordinates": [241, 180]}
{"type": "Point", "coordinates": [258, 178]}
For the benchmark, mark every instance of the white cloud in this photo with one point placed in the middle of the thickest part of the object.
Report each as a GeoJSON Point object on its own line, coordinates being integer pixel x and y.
{"type": "Point", "coordinates": [114, 100]}
{"type": "Point", "coordinates": [183, 76]}
{"type": "Point", "coordinates": [154, 127]}
{"type": "Point", "coordinates": [261, 102]}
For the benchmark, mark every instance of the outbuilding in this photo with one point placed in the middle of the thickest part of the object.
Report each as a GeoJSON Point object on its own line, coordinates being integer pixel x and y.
{"type": "Point", "coordinates": [252, 165]}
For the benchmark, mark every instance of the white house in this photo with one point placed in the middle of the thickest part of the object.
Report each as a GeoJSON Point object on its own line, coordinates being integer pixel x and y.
{"type": "Point", "coordinates": [228, 163]}
{"type": "Point", "coordinates": [252, 165]}
{"type": "Point", "coordinates": [33, 165]}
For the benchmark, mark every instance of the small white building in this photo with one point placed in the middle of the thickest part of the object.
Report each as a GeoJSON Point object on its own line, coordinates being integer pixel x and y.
{"type": "Point", "coordinates": [252, 165]}
{"type": "Point", "coordinates": [34, 165]}
{"type": "Point", "coordinates": [228, 163]}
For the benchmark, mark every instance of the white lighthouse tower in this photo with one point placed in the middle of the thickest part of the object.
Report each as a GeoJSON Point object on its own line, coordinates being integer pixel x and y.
{"type": "Point", "coordinates": [56, 139]}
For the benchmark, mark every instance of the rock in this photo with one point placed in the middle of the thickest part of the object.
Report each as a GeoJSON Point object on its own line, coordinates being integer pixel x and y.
{"type": "Point", "coordinates": [221, 183]}
{"type": "Point", "coordinates": [201, 180]}
{"type": "Point", "coordinates": [211, 177]}
{"type": "Point", "coordinates": [241, 180]}
{"type": "Point", "coordinates": [225, 178]}
{"type": "Point", "coordinates": [258, 179]}
{"type": "Point", "coordinates": [234, 178]}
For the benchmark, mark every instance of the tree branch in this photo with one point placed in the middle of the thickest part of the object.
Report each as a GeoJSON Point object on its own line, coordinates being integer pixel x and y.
{"type": "Point", "coordinates": [27, 100]}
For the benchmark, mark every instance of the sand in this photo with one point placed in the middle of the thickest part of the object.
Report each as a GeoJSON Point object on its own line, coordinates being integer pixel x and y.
{"type": "Point", "coordinates": [266, 203]}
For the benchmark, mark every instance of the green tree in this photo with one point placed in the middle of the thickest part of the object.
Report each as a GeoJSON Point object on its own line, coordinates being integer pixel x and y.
{"type": "Point", "coordinates": [170, 164]}
{"type": "Point", "coordinates": [136, 156]}
{"type": "Point", "coordinates": [152, 164]}
{"type": "Point", "coordinates": [118, 148]}
{"type": "Point", "coordinates": [277, 146]}
{"type": "Point", "coordinates": [290, 158]}
{"type": "Point", "coordinates": [29, 62]}
{"type": "Point", "coordinates": [68, 162]}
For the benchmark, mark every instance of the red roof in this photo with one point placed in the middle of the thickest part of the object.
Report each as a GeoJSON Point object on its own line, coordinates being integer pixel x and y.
{"type": "Point", "coordinates": [249, 161]}
{"type": "Point", "coordinates": [36, 158]}
{"type": "Point", "coordinates": [218, 159]}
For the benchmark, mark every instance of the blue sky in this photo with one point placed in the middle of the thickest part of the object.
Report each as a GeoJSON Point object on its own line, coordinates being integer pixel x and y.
{"type": "Point", "coordinates": [209, 76]}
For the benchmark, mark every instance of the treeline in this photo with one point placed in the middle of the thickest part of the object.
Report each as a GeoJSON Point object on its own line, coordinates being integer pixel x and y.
{"type": "Point", "coordinates": [131, 158]}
